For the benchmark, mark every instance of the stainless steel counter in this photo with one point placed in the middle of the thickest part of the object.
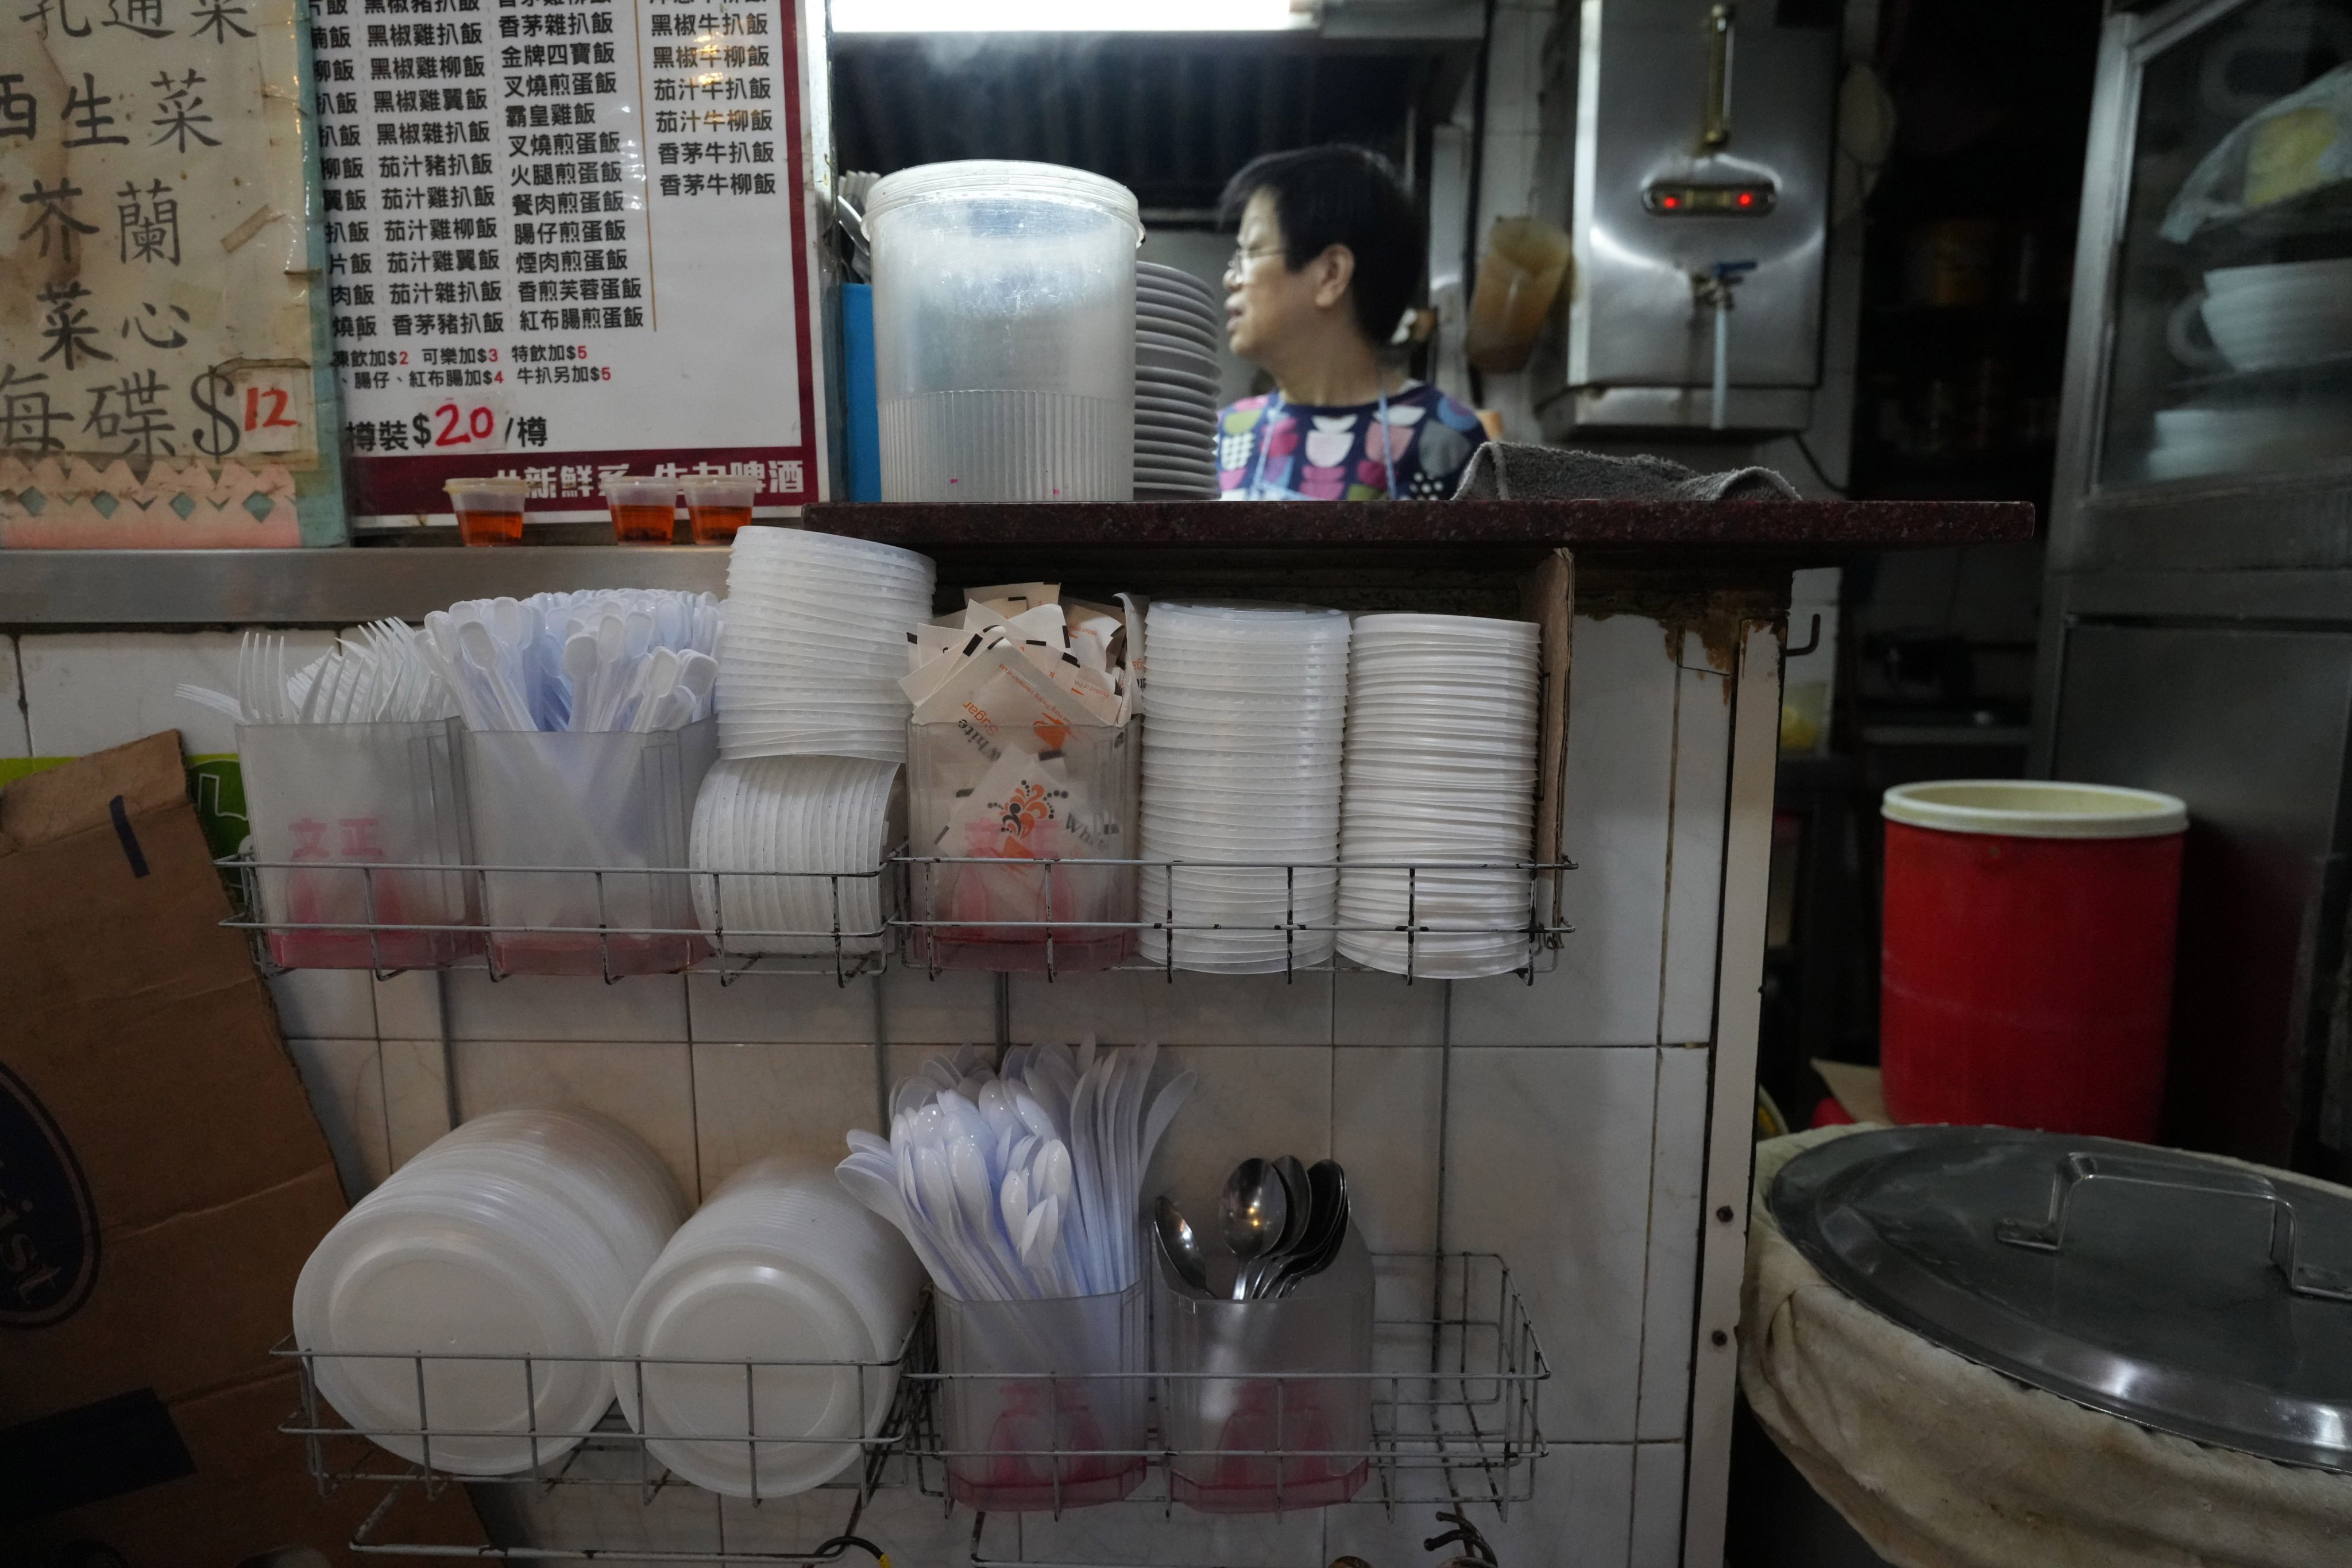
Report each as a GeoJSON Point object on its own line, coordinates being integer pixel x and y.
{"type": "Point", "coordinates": [1411, 540]}
{"type": "Point", "coordinates": [148, 588]}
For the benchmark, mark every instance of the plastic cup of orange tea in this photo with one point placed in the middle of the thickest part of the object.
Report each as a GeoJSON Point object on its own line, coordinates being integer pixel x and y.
{"type": "Point", "coordinates": [644, 510]}
{"type": "Point", "coordinates": [718, 504]}
{"type": "Point", "coordinates": [489, 511]}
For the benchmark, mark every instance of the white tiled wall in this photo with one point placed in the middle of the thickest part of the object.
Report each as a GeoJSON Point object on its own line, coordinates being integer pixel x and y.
{"type": "Point", "coordinates": [1657, 1533]}
{"type": "Point", "coordinates": [1514, 84]}
{"type": "Point", "coordinates": [344, 1078]}
{"type": "Point", "coordinates": [646, 1086]}
{"type": "Point", "coordinates": [753, 1100]}
{"type": "Point", "coordinates": [85, 691]}
{"type": "Point", "coordinates": [1670, 1274]}
{"type": "Point", "coordinates": [1694, 843]}
{"type": "Point", "coordinates": [1574, 1124]}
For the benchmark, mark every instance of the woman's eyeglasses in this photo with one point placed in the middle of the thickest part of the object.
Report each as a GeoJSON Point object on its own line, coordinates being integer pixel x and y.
{"type": "Point", "coordinates": [1240, 261]}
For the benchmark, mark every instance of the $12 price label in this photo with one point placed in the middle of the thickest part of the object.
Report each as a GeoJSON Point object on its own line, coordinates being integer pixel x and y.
{"type": "Point", "coordinates": [260, 409]}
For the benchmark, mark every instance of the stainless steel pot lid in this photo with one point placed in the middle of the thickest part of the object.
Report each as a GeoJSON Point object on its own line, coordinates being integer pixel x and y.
{"type": "Point", "coordinates": [2194, 1297]}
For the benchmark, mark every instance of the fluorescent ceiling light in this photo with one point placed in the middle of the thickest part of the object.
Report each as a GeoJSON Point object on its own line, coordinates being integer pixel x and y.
{"type": "Point", "coordinates": [1067, 15]}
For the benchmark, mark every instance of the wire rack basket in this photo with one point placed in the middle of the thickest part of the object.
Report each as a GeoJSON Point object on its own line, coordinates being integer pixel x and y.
{"type": "Point", "coordinates": [839, 946]}
{"type": "Point", "coordinates": [847, 948]}
{"type": "Point", "coordinates": [1454, 1400]}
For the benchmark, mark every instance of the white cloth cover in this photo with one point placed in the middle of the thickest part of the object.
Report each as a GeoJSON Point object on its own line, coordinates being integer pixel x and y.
{"type": "Point", "coordinates": [1941, 1463]}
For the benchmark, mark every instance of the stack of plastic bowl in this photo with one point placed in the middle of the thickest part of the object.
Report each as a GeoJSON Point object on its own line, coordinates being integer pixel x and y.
{"type": "Point", "coordinates": [781, 1266]}
{"type": "Point", "coordinates": [517, 1236]}
{"type": "Point", "coordinates": [1178, 325]}
{"type": "Point", "coordinates": [816, 642]}
{"type": "Point", "coordinates": [1241, 764]}
{"type": "Point", "coordinates": [1003, 332]}
{"type": "Point", "coordinates": [1441, 767]}
{"type": "Point", "coordinates": [817, 827]}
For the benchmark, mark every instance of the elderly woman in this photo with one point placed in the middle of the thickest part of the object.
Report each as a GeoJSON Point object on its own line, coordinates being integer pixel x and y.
{"type": "Point", "coordinates": [1330, 251]}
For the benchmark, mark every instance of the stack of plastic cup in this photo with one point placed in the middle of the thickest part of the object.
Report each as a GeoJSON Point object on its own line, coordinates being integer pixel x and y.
{"type": "Point", "coordinates": [1245, 706]}
{"type": "Point", "coordinates": [1441, 768]}
{"type": "Point", "coordinates": [781, 1266]}
{"type": "Point", "coordinates": [816, 645]}
{"type": "Point", "coordinates": [517, 1236]}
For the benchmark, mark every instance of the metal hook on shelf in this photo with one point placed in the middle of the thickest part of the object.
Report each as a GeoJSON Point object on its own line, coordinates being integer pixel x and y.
{"type": "Point", "coordinates": [1813, 641]}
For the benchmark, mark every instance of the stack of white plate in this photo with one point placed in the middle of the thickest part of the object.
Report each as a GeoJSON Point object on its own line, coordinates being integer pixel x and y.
{"type": "Point", "coordinates": [781, 1266]}
{"type": "Point", "coordinates": [1441, 767]}
{"type": "Point", "coordinates": [1178, 325]}
{"type": "Point", "coordinates": [801, 815]}
{"type": "Point", "coordinates": [2225, 440]}
{"type": "Point", "coordinates": [519, 1234]}
{"type": "Point", "coordinates": [816, 642]}
{"type": "Point", "coordinates": [1241, 764]}
{"type": "Point", "coordinates": [2281, 315]}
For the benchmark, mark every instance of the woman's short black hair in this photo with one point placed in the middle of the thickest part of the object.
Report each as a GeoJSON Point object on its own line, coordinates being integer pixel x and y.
{"type": "Point", "coordinates": [1342, 196]}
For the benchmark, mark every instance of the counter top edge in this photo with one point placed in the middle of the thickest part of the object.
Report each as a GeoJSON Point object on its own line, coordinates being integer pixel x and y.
{"type": "Point", "coordinates": [345, 587]}
{"type": "Point", "coordinates": [1644, 523]}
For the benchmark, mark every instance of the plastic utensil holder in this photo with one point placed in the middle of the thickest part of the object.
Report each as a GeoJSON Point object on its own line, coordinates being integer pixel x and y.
{"type": "Point", "coordinates": [613, 810]}
{"type": "Point", "coordinates": [1035, 904]}
{"type": "Point", "coordinates": [1043, 1403]}
{"type": "Point", "coordinates": [1266, 1405]}
{"type": "Point", "coordinates": [330, 807]}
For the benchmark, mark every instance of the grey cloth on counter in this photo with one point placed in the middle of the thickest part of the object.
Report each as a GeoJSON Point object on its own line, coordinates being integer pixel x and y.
{"type": "Point", "coordinates": [1506, 471]}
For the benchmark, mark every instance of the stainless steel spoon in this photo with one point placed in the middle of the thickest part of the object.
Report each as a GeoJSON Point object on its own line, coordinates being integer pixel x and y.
{"type": "Point", "coordinates": [1181, 1246]}
{"type": "Point", "coordinates": [1255, 1208]}
{"type": "Point", "coordinates": [1299, 1213]}
{"type": "Point", "coordinates": [1327, 1187]}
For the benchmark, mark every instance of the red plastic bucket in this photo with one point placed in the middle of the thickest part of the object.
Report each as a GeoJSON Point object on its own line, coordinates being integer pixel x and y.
{"type": "Point", "coordinates": [2026, 964]}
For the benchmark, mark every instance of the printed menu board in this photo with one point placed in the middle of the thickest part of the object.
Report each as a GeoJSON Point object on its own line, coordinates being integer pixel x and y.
{"type": "Point", "coordinates": [566, 240]}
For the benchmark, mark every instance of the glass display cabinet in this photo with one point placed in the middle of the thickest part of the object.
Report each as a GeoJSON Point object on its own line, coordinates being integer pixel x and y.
{"type": "Point", "coordinates": [2197, 617]}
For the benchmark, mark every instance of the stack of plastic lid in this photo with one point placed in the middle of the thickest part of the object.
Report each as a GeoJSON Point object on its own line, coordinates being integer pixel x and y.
{"type": "Point", "coordinates": [1241, 765]}
{"type": "Point", "coordinates": [816, 642]}
{"type": "Point", "coordinates": [781, 1266]}
{"type": "Point", "coordinates": [820, 828]}
{"type": "Point", "coordinates": [519, 1235]}
{"type": "Point", "coordinates": [1441, 768]}
{"type": "Point", "coordinates": [1178, 323]}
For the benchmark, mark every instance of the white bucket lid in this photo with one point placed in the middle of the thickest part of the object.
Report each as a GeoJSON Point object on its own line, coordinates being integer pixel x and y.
{"type": "Point", "coordinates": [1003, 179]}
{"type": "Point", "coordinates": [2035, 808]}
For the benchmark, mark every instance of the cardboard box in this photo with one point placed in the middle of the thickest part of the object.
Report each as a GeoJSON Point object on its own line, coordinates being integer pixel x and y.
{"type": "Point", "coordinates": [161, 1180]}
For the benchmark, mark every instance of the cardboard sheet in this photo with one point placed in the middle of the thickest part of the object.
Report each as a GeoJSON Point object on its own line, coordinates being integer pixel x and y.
{"type": "Point", "coordinates": [161, 1179]}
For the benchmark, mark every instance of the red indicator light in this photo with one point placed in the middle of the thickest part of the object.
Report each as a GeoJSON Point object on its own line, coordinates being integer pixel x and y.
{"type": "Point", "coordinates": [1748, 198]}
{"type": "Point", "coordinates": [1672, 201]}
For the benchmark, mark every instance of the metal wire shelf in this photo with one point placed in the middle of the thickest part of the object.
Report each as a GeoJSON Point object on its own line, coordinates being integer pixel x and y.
{"type": "Point", "coordinates": [847, 951]}
{"type": "Point", "coordinates": [607, 1454]}
{"type": "Point", "coordinates": [1455, 1404]}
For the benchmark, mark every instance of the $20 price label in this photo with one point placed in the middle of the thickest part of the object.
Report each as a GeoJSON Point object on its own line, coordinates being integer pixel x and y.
{"type": "Point", "coordinates": [476, 422]}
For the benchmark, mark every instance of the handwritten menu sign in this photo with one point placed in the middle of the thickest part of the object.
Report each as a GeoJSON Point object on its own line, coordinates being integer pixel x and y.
{"type": "Point", "coordinates": [155, 274]}
{"type": "Point", "coordinates": [566, 240]}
